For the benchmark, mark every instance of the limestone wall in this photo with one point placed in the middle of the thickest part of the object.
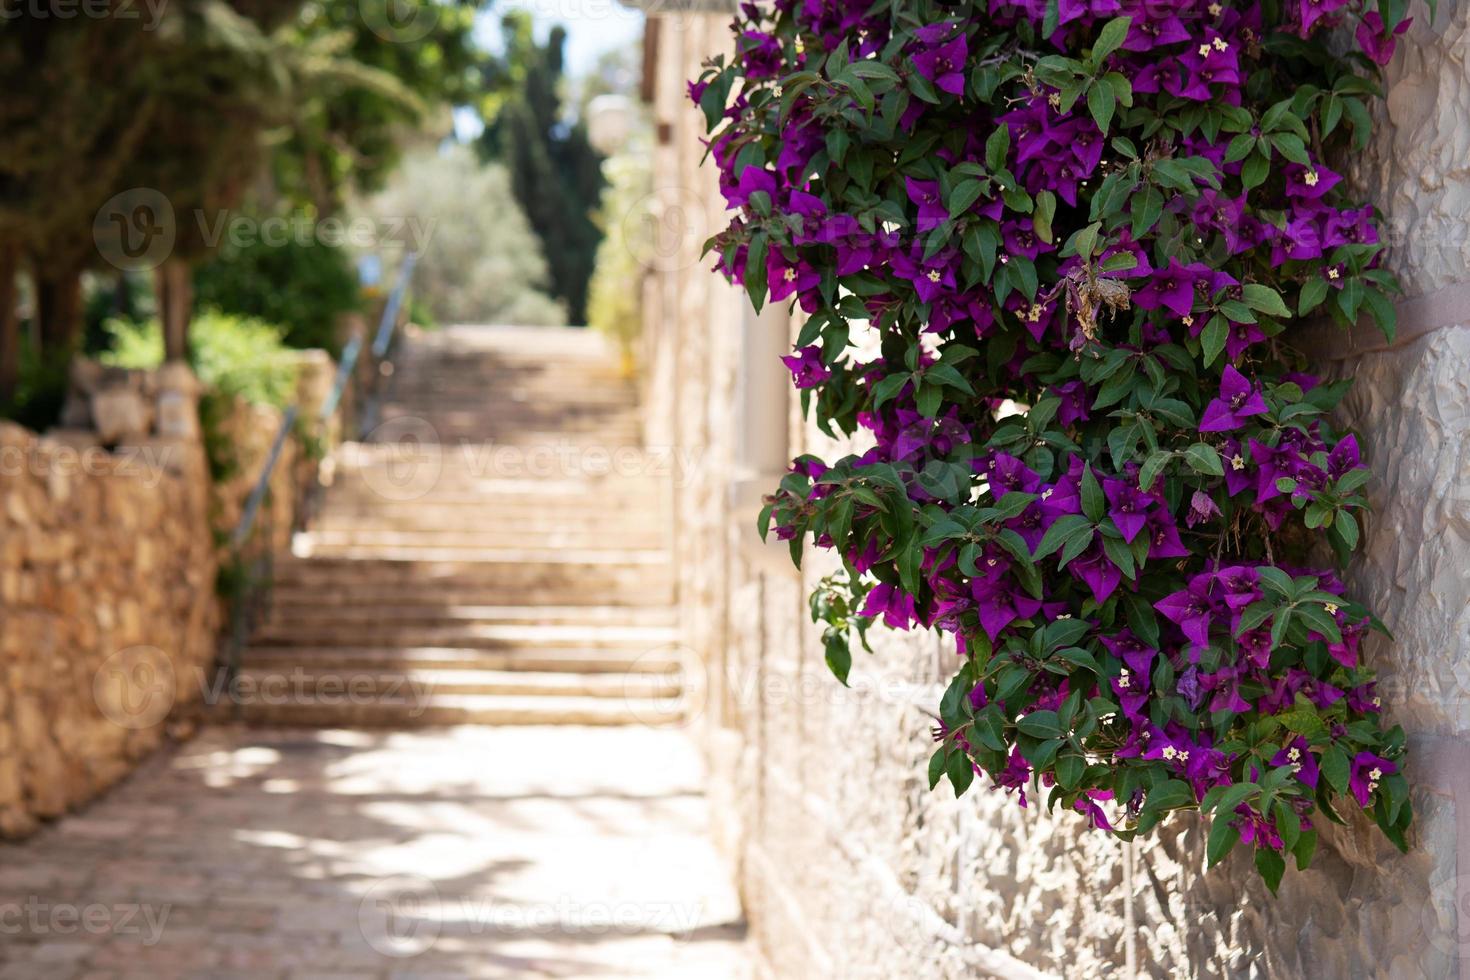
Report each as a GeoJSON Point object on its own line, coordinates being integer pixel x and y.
{"type": "Point", "coordinates": [850, 867]}
{"type": "Point", "coordinates": [107, 612]}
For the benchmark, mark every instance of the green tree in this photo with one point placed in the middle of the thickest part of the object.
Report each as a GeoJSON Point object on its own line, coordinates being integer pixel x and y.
{"type": "Point", "coordinates": [480, 262]}
{"type": "Point", "coordinates": [77, 104]}
{"type": "Point", "coordinates": [554, 171]}
{"type": "Point", "coordinates": [371, 72]}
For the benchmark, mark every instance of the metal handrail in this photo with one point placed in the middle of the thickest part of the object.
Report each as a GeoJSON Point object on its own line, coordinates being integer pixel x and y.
{"type": "Point", "coordinates": [249, 594]}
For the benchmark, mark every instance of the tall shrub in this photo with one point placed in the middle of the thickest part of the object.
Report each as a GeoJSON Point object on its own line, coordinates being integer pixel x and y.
{"type": "Point", "coordinates": [1111, 214]}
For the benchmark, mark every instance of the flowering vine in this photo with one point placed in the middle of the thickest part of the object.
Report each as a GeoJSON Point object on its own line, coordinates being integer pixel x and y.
{"type": "Point", "coordinates": [1082, 231]}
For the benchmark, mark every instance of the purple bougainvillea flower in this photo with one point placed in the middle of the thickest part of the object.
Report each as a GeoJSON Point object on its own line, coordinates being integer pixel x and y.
{"type": "Point", "coordinates": [1006, 473]}
{"type": "Point", "coordinates": [760, 55]}
{"type": "Point", "coordinates": [1377, 43]}
{"type": "Point", "coordinates": [1238, 401]}
{"type": "Point", "coordinates": [1312, 11]}
{"type": "Point", "coordinates": [1301, 239]}
{"type": "Point", "coordinates": [1201, 508]}
{"type": "Point", "coordinates": [1163, 536]}
{"type": "Point", "coordinates": [1086, 805]}
{"type": "Point", "coordinates": [1172, 288]}
{"type": "Point", "coordinates": [1367, 772]}
{"type": "Point", "coordinates": [1298, 755]}
{"type": "Point", "coordinates": [1015, 776]}
{"type": "Point", "coordinates": [1191, 609]}
{"type": "Point", "coordinates": [1310, 182]}
{"type": "Point", "coordinates": [1128, 507]}
{"type": "Point", "coordinates": [1154, 26]}
{"type": "Point", "coordinates": [751, 180]}
{"type": "Point", "coordinates": [1271, 465]}
{"type": "Point", "coordinates": [1255, 830]}
{"type": "Point", "coordinates": [1214, 61]}
{"type": "Point", "coordinates": [1074, 398]}
{"type": "Point", "coordinates": [1343, 458]}
{"type": "Point", "coordinates": [925, 193]}
{"type": "Point", "coordinates": [1097, 570]}
{"type": "Point", "coordinates": [942, 62]}
{"type": "Point", "coordinates": [807, 367]}
{"type": "Point", "coordinates": [893, 604]}
{"type": "Point", "coordinates": [786, 276]}
{"type": "Point", "coordinates": [931, 277]}
{"type": "Point", "coordinates": [1239, 584]}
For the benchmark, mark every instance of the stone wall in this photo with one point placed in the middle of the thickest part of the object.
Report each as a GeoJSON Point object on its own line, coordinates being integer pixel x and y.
{"type": "Point", "coordinates": [107, 612]}
{"type": "Point", "coordinates": [848, 864]}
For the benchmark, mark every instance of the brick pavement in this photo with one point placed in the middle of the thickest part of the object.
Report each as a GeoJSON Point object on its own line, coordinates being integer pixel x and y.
{"type": "Point", "coordinates": [518, 852]}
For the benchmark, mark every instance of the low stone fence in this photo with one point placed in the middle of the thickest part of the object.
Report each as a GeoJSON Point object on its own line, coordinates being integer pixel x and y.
{"type": "Point", "coordinates": [107, 612]}
{"type": "Point", "coordinates": [109, 558]}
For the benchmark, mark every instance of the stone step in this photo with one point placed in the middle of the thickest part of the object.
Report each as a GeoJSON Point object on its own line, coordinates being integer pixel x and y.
{"type": "Point", "coordinates": [659, 660]}
{"type": "Point", "coordinates": [436, 596]}
{"type": "Point", "coordinates": [468, 709]}
{"type": "Point", "coordinates": [417, 554]}
{"type": "Point", "coordinates": [417, 686]}
{"type": "Point", "coordinates": [591, 583]}
{"type": "Point", "coordinates": [475, 540]}
{"type": "Point", "coordinates": [365, 516]}
{"type": "Point", "coordinates": [465, 634]}
{"type": "Point", "coordinates": [311, 606]}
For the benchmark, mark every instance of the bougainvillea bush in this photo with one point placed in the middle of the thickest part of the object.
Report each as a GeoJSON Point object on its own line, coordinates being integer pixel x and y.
{"type": "Point", "coordinates": [1084, 232]}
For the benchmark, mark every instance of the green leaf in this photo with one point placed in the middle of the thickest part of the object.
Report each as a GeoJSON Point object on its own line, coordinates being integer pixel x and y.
{"type": "Point", "coordinates": [1314, 291]}
{"type": "Point", "coordinates": [1112, 36]}
{"type": "Point", "coordinates": [838, 654]}
{"type": "Point", "coordinates": [1253, 174]}
{"type": "Point", "coordinates": [1203, 458]}
{"type": "Point", "coordinates": [1212, 340]}
{"type": "Point", "coordinates": [1094, 504]}
{"type": "Point", "coordinates": [997, 146]}
{"type": "Point", "coordinates": [961, 772]}
{"type": "Point", "coordinates": [990, 728]}
{"type": "Point", "coordinates": [1146, 210]}
{"type": "Point", "coordinates": [1062, 530]}
{"type": "Point", "coordinates": [1040, 724]}
{"type": "Point", "coordinates": [1271, 866]}
{"type": "Point", "coordinates": [1264, 299]}
{"type": "Point", "coordinates": [1046, 209]}
{"type": "Point", "coordinates": [1336, 768]}
{"type": "Point", "coordinates": [1222, 838]}
{"type": "Point", "coordinates": [1153, 466]}
{"type": "Point", "coordinates": [937, 765]}
{"type": "Point", "coordinates": [1170, 795]}
{"type": "Point", "coordinates": [1102, 103]}
{"type": "Point", "coordinates": [1070, 768]}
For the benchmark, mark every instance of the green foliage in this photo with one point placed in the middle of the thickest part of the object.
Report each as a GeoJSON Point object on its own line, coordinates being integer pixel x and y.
{"type": "Point", "coordinates": [554, 172]}
{"type": "Point", "coordinates": [302, 284]}
{"type": "Point", "coordinates": [233, 355]}
{"type": "Point", "coordinates": [615, 300]}
{"type": "Point", "coordinates": [481, 263]}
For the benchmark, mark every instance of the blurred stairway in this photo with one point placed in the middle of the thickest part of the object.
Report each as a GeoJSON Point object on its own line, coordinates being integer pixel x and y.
{"type": "Point", "coordinates": [496, 552]}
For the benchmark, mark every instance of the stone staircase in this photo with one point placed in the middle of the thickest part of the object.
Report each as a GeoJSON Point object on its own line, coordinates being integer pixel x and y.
{"type": "Point", "coordinates": [496, 552]}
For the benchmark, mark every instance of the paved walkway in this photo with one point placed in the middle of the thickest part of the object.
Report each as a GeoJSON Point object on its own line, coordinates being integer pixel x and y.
{"type": "Point", "coordinates": [465, 852]}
